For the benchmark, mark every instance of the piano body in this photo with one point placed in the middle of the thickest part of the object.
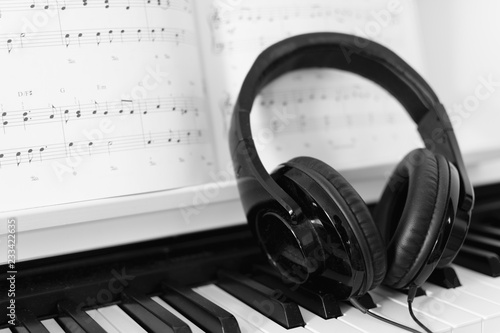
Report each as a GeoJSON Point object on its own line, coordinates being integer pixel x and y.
{"type": "Point", "coordinates": [218, 281]}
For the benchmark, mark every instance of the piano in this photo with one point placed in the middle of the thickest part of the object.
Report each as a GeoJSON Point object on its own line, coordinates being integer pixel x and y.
{"type": "Point", "coordinates": [218, 281]}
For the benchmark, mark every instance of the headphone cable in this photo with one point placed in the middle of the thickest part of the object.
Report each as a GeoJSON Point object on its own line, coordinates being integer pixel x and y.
{"type": "Point", "coordinates": [361, 308]}
{"type": "Point", "coordinates": [411, 296]}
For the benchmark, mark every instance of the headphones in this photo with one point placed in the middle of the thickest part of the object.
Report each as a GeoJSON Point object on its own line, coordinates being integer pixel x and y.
{"type": "Point", "coordinates": [310, 222]}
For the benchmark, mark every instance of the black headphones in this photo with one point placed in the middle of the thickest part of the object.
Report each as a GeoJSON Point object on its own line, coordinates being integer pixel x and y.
{"type": "Point", "coordinates": [308, 219]}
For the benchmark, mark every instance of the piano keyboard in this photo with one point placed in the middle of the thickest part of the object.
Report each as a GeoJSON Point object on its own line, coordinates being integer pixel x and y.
{"type": "Point", "coordinates": [248, 306]}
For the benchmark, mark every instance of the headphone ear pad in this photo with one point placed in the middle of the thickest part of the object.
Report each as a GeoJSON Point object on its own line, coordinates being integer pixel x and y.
{"type": "Point", "coordinates": [369, 239]}
{"type": "Point", "coordinates": [410, 214]}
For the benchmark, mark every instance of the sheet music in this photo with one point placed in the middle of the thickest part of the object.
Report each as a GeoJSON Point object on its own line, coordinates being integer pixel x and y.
{"type": "Point", "coordinates": [99, 99]}
{"type": "Point", "coordinates": [327, 114]}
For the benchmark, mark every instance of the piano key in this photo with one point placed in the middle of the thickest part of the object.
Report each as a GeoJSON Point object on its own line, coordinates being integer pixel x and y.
{"type": "Point", "coordinates": [308, 296]}
{"type": "Point", "coordinates": [432, 308]}
{"type": "Point", "coordinates": [120, 320]}
{"type": "Point", "coordinates": [489, 312]}
{"type": "Point", "coordinates": [485, 229]}
{"type": "Point", "coordinates": [81, 317]}
{"type": "Point", "coordinates": [200, 310]}
{"type": "Point", "coordinates": [52, 326]}
{"type": "Point", "coordinates": [244, 326]}
{"type": "Point", "coordinates": [398, 312]}
{"type": "Point", "coordinates": [445, 277]}
{"type": "Point", "coordinates": [365, 322]}
{"type": "Point", "coordinates": [192, 326]}
{"type": "Point", "coordinates": [173, 322]}
{"type": "Point", "coordinates": [244, 312]}
{"type": "Point", "coordinates": [99, 318]}
{"type": "Point", "coordinates": [261, 298]}
{"type": "Point", "coordinates": [5, 330]}
{"type": "Point", "coordinates": [367, 301]}
{"type": "Point", "coordinates": [69, 325]}
{"type": "Point", "coordinates": [483, 242]}
{"type": "Point", "coordinates": [479, 260]}
{"type": "Point", "coordinates": [20, 329]}
{"type": "Point", "coordinates": [317, 324]}
{"type": "Point", "coordinates": [29, 321]}
{"type": "Point", "coordinates": [143, 317]}
{"type": "Point", "coordinates": [481, 278]}
{"type": "Point", "coordinates": [473, 284]}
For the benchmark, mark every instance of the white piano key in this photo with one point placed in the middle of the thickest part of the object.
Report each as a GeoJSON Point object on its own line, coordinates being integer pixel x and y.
{"type": "Point", "coordinates": [194, 328]}
{"type": "Point", "coordinates": [489, 312]}
{"type": "Point", "coordinates": [5, 330]}
{"type": "Point", "coordinates": [399, 313]}
{"type": "Point", "coordinates": [482, 278]}
{"type": "Point", "coordinates": [365, 322]}
{"type": "Point", "coordinates": [458, 319]}
{"type": "Point", "coordinates": [120, 320]}
{"type": "Point", "coordinates": [316, 324]}
{"type": "Point", "coordinates": [243, 311]}
{"type": "Point", "coordinates": [102, 321]}
{"type": "Point", "coordinates": [473, 284]}
{"type": "Point", "coordinates": [52, 326]}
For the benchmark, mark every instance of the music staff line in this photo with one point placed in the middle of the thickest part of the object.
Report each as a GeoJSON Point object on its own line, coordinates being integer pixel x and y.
{"type": "Point", "coordinates": [314, 11]}
{"type": "Point", "coordinates": [75, 149]}
{"type": "Point", "coordinates": [67, 113]}
{"type": "Point", "coordinates": [96, 37]}
{"type": "Point", "coordinates": [7, 6]}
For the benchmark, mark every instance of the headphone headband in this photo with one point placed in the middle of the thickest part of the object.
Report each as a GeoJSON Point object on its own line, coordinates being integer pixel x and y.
{"type": "Point", "coordinates": [346, 52]}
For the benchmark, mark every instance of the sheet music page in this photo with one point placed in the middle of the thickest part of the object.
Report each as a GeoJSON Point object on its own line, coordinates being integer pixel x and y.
{"type": "Point", "coordinates": [338, 117]}
{"type": "Point", "coordinates": [99, 99]}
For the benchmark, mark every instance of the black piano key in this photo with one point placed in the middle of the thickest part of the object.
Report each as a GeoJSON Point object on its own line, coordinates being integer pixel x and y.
{"type": "Point", "coordinates": [367, 301]}
{"type": "Point", "coordinates": [204, 313]}
{"type": "Point", "coordinates": [483, 242]}
{"type": "Point", "coordinates": [69, 325]}
{"type": "Point", "coordinates": [175, 324]}
{"type": "Point", "coordinates": [479, 260]}
{"type": "Point", "coordinates": [418, 293]}
{"type": "Point", "coordinates": [261, 298]}
{"type": "Point", "coordinates": [445, 277]}
{"type": "Point", "coordinates": [29, 321]}
{"type": "Point", "coordinates": [143, 317]}
{"type": "Point", "coordinates": [86, 323]}
{"type": "Point", "coordinates": [19, 329]}
{"type": "Point", "coordinates": [489, 230]}
{"type": "Point", "coordinates": [308, 296]}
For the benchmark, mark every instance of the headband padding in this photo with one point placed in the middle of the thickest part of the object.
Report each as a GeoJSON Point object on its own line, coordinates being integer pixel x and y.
{"type": "Point", "coordinates": [370, 240]}
{"type": "Point", "coordinates": [410, 213]}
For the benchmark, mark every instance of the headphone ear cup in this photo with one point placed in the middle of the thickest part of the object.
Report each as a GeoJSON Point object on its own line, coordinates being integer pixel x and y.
{"type": "Point", "coordinates": [343, 194]}
{"type": "Point", "coordinates": [410, 214]}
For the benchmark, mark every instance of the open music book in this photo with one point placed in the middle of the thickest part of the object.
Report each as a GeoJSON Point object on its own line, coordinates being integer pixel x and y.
{"type": "Point", "coordinates": [114, 108]}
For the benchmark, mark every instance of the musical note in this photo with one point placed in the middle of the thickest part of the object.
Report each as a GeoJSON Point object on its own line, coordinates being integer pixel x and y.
{"type": "Point", "coordinates": [66, 116]}
{"type": "Point", "coordinates": [4, 122]}
{"type": "Point", "coordinates": [30, 155]}
{"type": "Point", "coordinates": [90, 144]}
{"type": "Point", "coordinates": [110, 143]}
{"type": "Point", "coordinates": [40, 151]}
{"type": "Point", "coordinates": [98, 38]}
